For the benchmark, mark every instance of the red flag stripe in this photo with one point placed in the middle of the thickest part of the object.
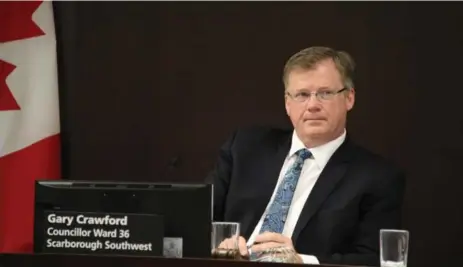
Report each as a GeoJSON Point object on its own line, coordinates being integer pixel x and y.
{"type": "Point", "coordinates": [18, 172]}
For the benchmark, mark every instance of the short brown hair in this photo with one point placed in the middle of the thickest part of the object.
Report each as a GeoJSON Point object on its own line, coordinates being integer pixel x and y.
{"type": "Point", "coordinates": [308, 58]}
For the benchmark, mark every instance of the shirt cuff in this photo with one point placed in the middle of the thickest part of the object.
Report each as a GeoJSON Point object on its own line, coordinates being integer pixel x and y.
{"type": "Point", "coordinates": [309, 259]}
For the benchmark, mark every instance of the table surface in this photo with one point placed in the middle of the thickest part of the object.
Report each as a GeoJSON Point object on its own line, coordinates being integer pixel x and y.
{"type": "Point", "coordinates": [78, 260]}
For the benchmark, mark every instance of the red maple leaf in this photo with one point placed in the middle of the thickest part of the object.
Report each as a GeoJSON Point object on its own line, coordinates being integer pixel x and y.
{"type": "Point", "coordinates": [15, 24]}
{"type": "Point", "coordinates": [16, 20]}
{"type": "Point", "coordinates": [7, 101]}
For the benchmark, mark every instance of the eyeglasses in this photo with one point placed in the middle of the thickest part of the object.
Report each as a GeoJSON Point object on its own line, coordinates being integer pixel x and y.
{"type": "Point", "coordinates": [321, 96]}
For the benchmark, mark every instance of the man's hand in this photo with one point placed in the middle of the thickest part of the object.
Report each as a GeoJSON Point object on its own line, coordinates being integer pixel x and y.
{"type": "Point", "coordinates": [269, 240]}
{"type": "Point", "coordinates": [229, 243]}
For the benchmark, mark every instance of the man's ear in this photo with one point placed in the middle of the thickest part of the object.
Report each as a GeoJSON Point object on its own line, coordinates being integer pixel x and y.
{"type": "Point", "coordinates": [350, 99]}
{"type": "Point", "coordinates": [287, 105]}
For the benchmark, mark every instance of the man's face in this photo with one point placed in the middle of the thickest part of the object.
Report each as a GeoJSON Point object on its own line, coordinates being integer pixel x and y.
{"type": "Point", "coordinates": [318, 119]}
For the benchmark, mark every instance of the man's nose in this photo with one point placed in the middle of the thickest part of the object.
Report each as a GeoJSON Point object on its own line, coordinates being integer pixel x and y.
{"type": "Point", "coordinates": [313, 104]}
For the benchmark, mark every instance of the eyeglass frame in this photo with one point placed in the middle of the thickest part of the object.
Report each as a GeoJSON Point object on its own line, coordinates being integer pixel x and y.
{"type": "Point", "coordinates": [329, 95]}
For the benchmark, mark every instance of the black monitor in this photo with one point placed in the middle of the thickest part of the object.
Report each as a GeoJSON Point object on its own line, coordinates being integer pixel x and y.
{"type": "Point", "coordinates": [176, 213]}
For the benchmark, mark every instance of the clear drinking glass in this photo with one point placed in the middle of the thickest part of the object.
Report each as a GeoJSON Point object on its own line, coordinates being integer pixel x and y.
{"type": "Point", "coordinates": [394, 247]}
{"type": "Point", "coordinates": [225, 236]}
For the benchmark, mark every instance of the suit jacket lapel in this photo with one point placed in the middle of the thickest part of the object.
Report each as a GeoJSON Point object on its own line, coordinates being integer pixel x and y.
{"type": "Point", "coordinates": [332, 173]}
{"type": "Point", "coordinates": [269, 170]}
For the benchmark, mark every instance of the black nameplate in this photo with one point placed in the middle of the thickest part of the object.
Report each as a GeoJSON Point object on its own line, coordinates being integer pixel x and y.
{"type": "Point", "coordinates": [102, 233]}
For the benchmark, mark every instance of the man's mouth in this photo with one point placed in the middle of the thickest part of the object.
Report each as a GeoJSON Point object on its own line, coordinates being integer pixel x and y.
{"type": "Point", "coordinates": [314, 119]}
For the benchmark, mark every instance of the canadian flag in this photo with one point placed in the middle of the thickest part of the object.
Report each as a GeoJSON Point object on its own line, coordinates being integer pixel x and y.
{"type": "Point", "coordinates": [29, 115]}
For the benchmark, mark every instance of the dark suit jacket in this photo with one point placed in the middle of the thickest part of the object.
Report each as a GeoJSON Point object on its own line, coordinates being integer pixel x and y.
{"type": "Point", "coordinates": [357, 194]}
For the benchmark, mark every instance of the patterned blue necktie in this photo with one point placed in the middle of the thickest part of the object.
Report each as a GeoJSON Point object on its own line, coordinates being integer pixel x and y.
{"type": "Point", "coordinates": [275, 219]}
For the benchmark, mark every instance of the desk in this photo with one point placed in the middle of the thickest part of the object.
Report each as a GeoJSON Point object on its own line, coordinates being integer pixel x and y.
{"type": "Point", "coordinates": [63, 260]}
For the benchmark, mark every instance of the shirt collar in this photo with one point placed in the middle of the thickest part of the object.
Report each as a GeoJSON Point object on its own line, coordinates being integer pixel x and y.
{"type": "Point", "coordinates": [321, 154]}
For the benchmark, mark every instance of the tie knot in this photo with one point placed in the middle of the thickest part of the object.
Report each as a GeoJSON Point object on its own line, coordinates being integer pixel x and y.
{"type": "Point", "coordinates": [304, 154]}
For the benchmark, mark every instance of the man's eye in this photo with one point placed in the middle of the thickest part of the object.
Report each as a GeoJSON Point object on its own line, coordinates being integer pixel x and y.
{"type": "Point", "coordinates": [325, 93]}
{"type": "Point", "coordinates": [302, 94]}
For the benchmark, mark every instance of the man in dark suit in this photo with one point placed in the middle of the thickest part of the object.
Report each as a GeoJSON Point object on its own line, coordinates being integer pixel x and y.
{"type": "Point", "coordinates": [309, 188]}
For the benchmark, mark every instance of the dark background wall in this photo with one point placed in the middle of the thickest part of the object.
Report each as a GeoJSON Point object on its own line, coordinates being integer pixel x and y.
{"type": "Point", "coordinates": [143, 82]}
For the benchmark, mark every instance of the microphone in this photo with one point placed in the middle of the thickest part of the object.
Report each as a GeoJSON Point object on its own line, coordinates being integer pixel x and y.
{"type": "Point", "coordinates": [172, 164]}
